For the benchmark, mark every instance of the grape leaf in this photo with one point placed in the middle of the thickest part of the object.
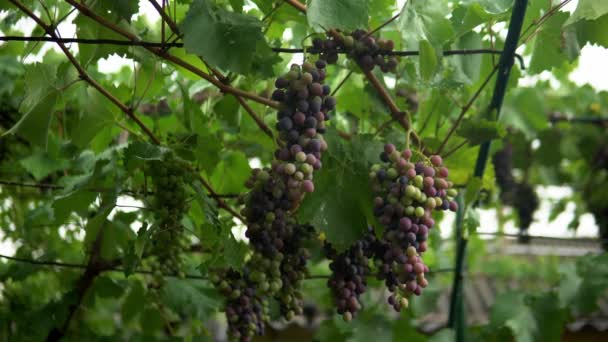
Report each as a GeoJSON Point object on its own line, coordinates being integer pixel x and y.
{"type": "Point", "coordinates": [38, 105]}
{"type": "Point", "coordinates": [549, 45]}
{"type": "Point", "coordinates": [427, 59]}
{"type": "Point", "coordinates": [41, 164]}
{"type": "Point", "coordinates": [340, 14]}
{"type": "Point", "coordinates": [422, 20]}
{"type": "Point", "coordinates": [224, 39]}
{"type": "Point", "coordinates": [588, 10]}
{"type": "Point", "coordinates": [478, 131]}
{"type": "Point", "coordinates": [231, 173]}
{"type": "Point", "coordinates": [341, 205]}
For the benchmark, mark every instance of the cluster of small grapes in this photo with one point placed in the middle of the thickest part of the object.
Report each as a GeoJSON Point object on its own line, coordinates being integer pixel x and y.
{"type": "Point", "coordinates": [525, 202]}
{"type": "Point", "coordinates": [503, 169]}
{"type": "Point", "coordinates": [246, 312]}
{"type": "Point", "coordinates": [293, 271]}
{"type": "Point", "coordinates": [366, 50]}
{"type": "Point", "coordinates": [169, 204]}
{"type": "Point", "coordinates": [349, 271]}
{"type": "Point", "coordinates": [520, 195]}
{"type": "Point", "coordinates": [278, 263]}
{"type": "Point", "coordinates": [406, 193]}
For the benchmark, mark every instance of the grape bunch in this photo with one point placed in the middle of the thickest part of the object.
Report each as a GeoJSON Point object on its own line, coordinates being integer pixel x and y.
{"type": "Point", "coordinates": [525, 203]}
{"type": "Point", "coordinates": [349, 272]}
{"type": "Point", "coordinates": [293, 270]}
{"type": "Point", "coordinates": [366, 50]}
{"type": "Point", "coordinates": [169, 204]}
{"type": "Point", "coordinates": [503, 168]}
{"type": "Point", "coordinates": [278, 263]}
{"type": "Point", "coordinates": [406, 194]}
{"type": "Point", "coordinates": [246, 311]}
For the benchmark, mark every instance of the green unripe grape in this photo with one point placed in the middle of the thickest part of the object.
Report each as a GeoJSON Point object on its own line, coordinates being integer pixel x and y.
{"type": "Point", "coordinates": [372, 175]}
{"type": "Point", "coordinates": [410, 191]}
{"type": "Point", "coordinates": [392, 173]}
{"type": "Point", "coordinates": [410, 210]}
{"type": "Point", "coordinates": [290, 169]}
{"type": "Point", "coordinates": [418, 181]}
{"type": "Point", "coordinates": [376, 167]}
{"type": "Point", "coordinates": [419, 212]}
{"type": "Point", "coordinates": [452, 192]}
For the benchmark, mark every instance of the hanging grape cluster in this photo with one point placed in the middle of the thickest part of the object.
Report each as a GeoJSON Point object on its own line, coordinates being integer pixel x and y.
{"type": "Point", "coordinates": [365, 49]}
{"type": "Point", "coordinates": [278, 263]}
{"type": "Point", "coordinates": [245, 311]}
{"type": "Point", "coordinates": [349, 271]}
{"type": "Point", "coordinates": [406, 194]}
{"type": "Point", "coordinates": [169, 204]}
{"type": "Point", "coordinates": [519, 195]}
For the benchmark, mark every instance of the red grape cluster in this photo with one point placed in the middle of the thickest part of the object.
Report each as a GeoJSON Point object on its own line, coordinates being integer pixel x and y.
{"type": "Point", "coordinates": [246, 311]}
{"type": "Point", "coordinates": [349, 271]}
{"type": "Point", "coordinates": [278, 263]}
{"type": "Point", "coordinates": [406, 194]}
{"type": "Point", "coordinates": [366, 50]}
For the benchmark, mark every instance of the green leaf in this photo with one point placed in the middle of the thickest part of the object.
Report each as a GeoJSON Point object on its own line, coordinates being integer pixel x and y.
{"type": "Point", "coordinates": [427, 59]}
{"type": "Point", "coordinates": [592, 32]}
{"type": "Point", "coordinates": [340, 14]}
{"type": "Point", "coordinates": [144, 151]}
{"type": "Point", "coordinates": [106, 287]}
{"type": "Point", "coordinates": [134, 302]}
{"type": "Point", "coordinates": [549, 45]}
{"type": "Point", "coordinates": [191, 298]}
{"type": "Point", "coordinates": [237, 5]}
{"type": "Point", "coordinates": [588, 10]}
{"type": "Point", "coordinates": [224, 39]}
{"type": "Point", "coordinates": [231, 173]}
{"type": "Point", "coordinates": [123, 9]}
{"type": "Point", "coordinates": [234, 253]}
{"type": "Point", "coordinates": [341, 205]}
{"type": "Point", "coordinates": [471, 221]}
{"type": "Point", "coordinates": [422, 20]}
{"type": "Point", "coordinates": [478, 131]}
{"type": "Point", "coordinates": [135, 249]}
{"type": "Point", "coordinates": [41, 164]}
{"type": "Point", "coordinates": [97, 115]}
{"type": "Point", "coordinates": [38, 105]}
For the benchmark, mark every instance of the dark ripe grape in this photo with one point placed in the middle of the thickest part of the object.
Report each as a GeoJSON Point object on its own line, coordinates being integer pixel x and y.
{"type": "Point", "coordinates": [326, 89]}
{"type": "Point", "coordinates": [302, 94]}
{"type": "Point", "coordinates": [285, 124]}
{"type": "Point", "coordinates": [308, 186]}
{"type": "Point", "coordinates": [293, 136]}
{"type": "Point", "coordinates": [379, 60]}
{"type": "Point", "coordinates": [443, 172]}
{"type": "Point", "coordinates": [366, 62]}
{"type": "Point", "coordinates": [317, 43]}
{"type": "Point", "coordinates": [303, 105]}
{"type": "Point", "coordinates": [310, 122]}
{"type": "Point", "coordinates": [389, 148]}
{"type": "Point", "coordinates": [316, 89]}
{"type": "Point", "coordinates": [321, 64]}
{"type": "Point", "coordinates": [330, 102]}
{"type": "Point", "coordinates": [315, 104]}
{"type": "Point", "coordinates": [331, 58]}
{"type": "Point", "coordinates": [299, 118]}
{"type": "Point", "coordinates": [358, 34]}
{"type": "Point", "coordinates": [314, 145]}
{"type": "Point", "coordinates": [278, 95]}
{"type": "Point", "coordinates": [281, 83]}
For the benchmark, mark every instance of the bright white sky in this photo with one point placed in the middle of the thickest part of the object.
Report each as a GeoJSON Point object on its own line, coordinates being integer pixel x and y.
{"type": "Point", "coordinates": [590, 70]}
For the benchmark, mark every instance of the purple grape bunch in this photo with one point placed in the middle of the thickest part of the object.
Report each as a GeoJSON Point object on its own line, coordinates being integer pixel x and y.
{"type": "Point", "coordinates": [365, 49]}
{"type": "Point", "coordinates": [278, 263]}
{"type": "Point", "coordinates": [406, 193]}
{"type": "Point", "coordinates": [349, 272]}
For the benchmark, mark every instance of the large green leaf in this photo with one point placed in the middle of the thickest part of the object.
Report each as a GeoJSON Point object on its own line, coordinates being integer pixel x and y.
{"type": "Point", "coordinates": [341, 205]}
{"type": "Point", "coordinates": [340, 14]}
{"type": "Point", "coordinates": [421, 20]}
{"type": "Point", "coordinates": [224, 39]}
{"type": "Point", "coordinates": [549, 45]}
{"type": "Point", "coordinates": [231, 173]}
{"type": "Point", "coordinates": [38, 105]}
{"type": "Point", "coordinates": [588, 10]}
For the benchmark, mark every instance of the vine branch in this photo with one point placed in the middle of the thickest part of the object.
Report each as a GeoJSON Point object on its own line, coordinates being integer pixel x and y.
{"type": "Point", "coordinates": [82, 72]}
